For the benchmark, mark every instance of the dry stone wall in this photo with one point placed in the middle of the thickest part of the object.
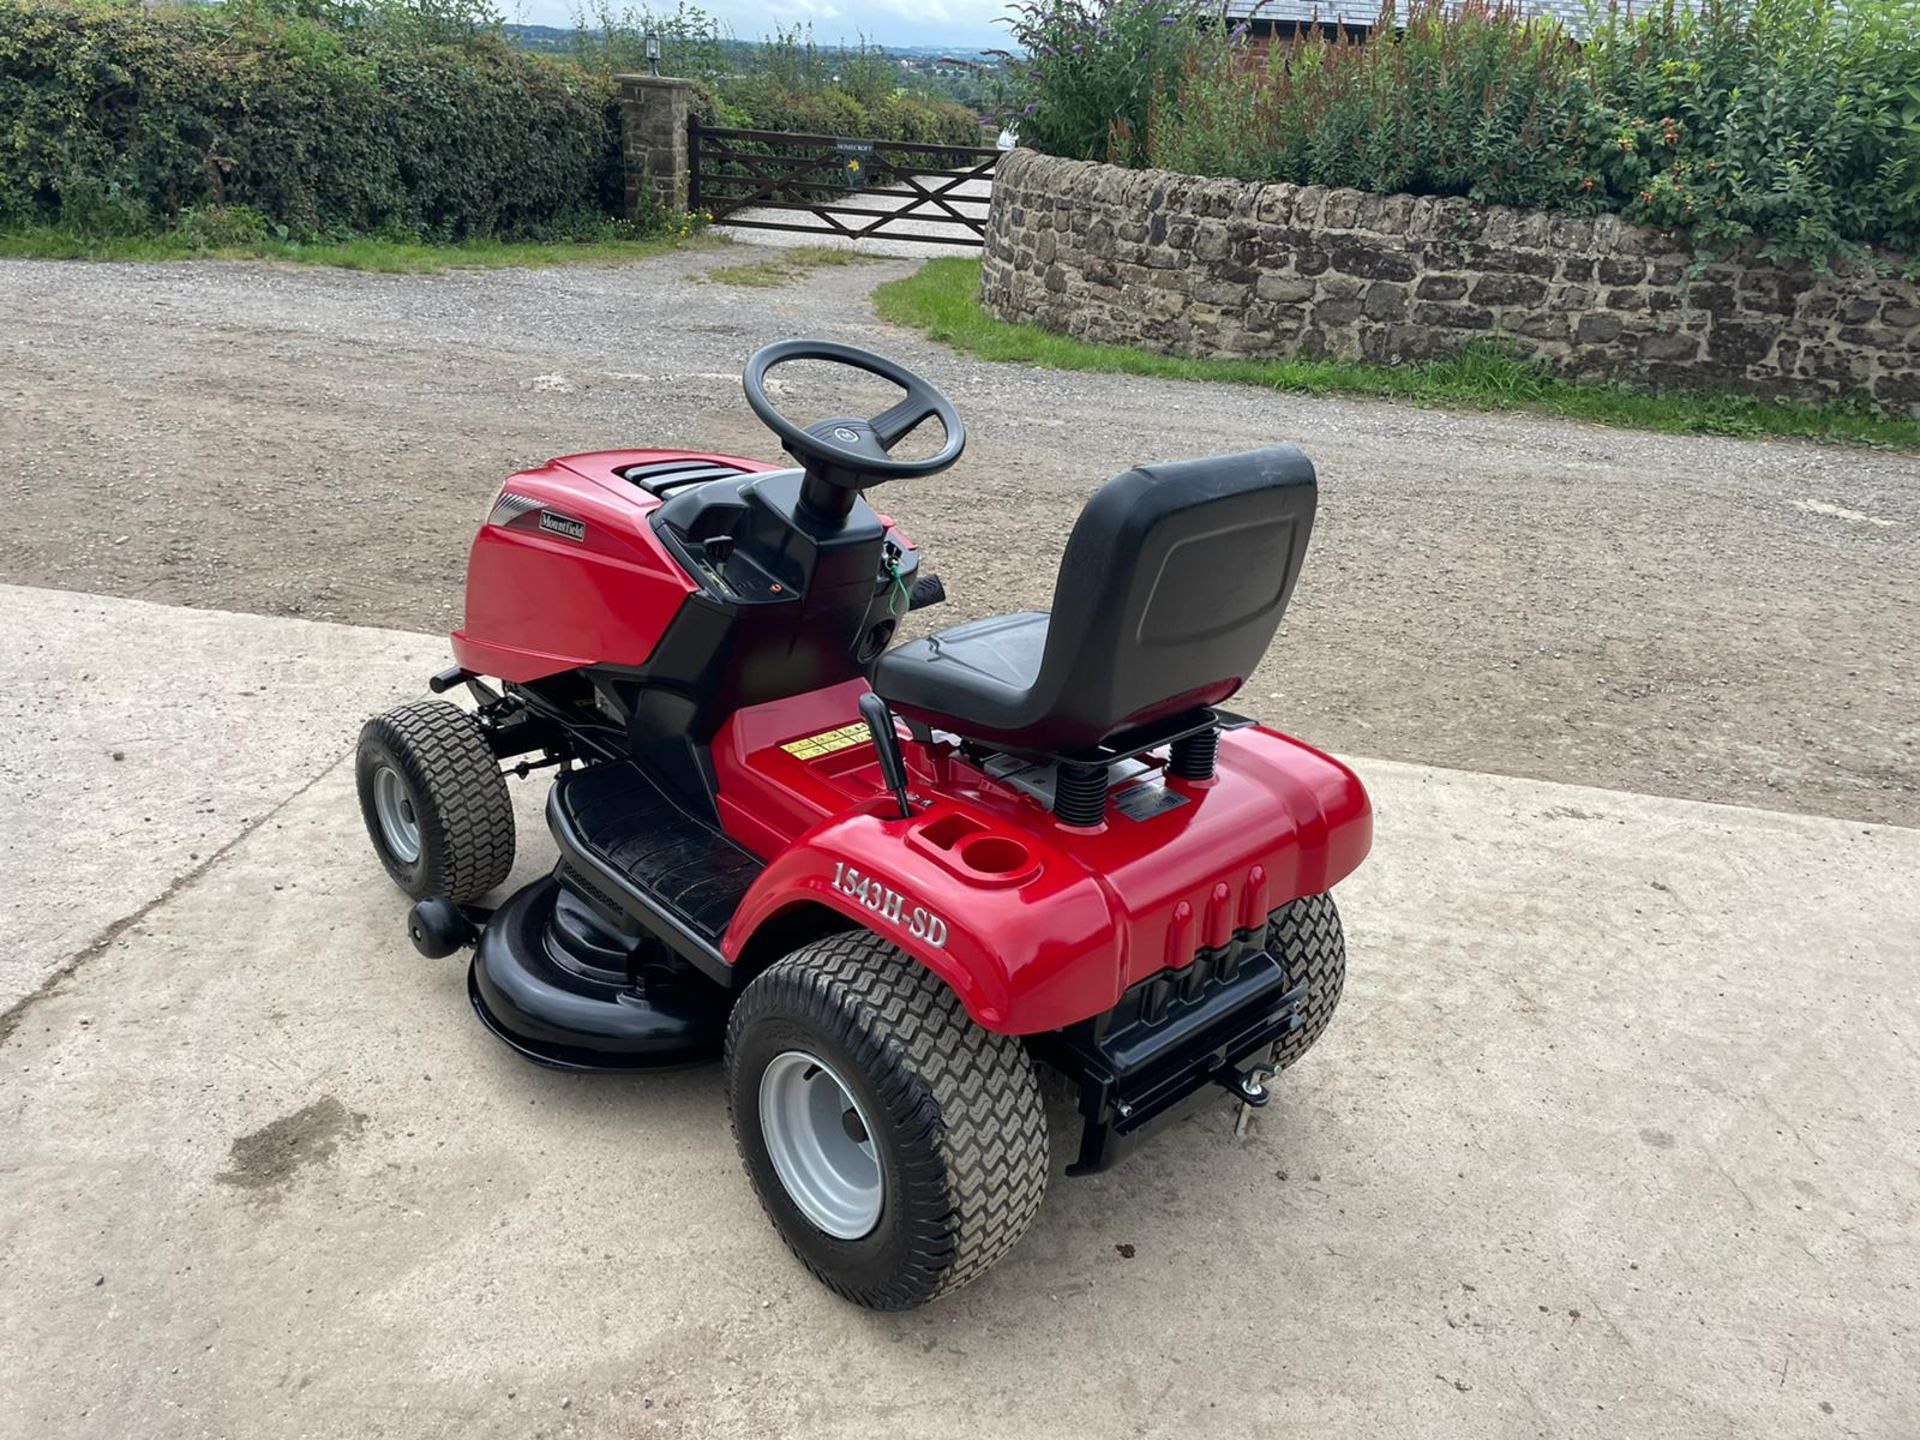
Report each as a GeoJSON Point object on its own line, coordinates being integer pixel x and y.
{"type": "Point", "coordinates": [1199, 267]}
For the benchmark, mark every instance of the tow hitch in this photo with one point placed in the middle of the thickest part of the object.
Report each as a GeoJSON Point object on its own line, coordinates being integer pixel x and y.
{"type": "Point", "coordinates": [1249, 1088]}
{"type": "Point", "coordinates": [1245, 1085]}
{"type": "Point", "coordinates": [1170, 1040]}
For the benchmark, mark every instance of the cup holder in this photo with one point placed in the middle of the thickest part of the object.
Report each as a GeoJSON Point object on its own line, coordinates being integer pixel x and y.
{"type": "Point", "coordinates": [995, 855]}
{"type": "Point", "coordinates": [974, 852]}
{"type": "Point", "coordinates": [949, 830]}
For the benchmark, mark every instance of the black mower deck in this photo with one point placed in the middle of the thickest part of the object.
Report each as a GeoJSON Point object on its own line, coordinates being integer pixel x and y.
{"type": "Point", "coordinates": [611, 963]}
{"type": "Point", "coordinates": [561, 989]}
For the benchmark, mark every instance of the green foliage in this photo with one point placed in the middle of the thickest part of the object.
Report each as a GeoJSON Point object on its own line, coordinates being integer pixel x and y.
{"type": "Point", "coordinates": [419, 22]}
{"type": "Point", "coordinates": [1795, 121]}
{"type": "Point", "coordinates": [1468, 101]}
{"type": "Point", "coordinates": [321, 118]}
{"type": "Point", "coordinates": [295, 121]}
{"type": "Point", "coordinates": [787, 82]}
{"type": "Point", "coordinates": [941, 300]}
{"type": "Point", "coordinates": [1786, 119]}
{"type": "Point", "coordinates": [1091, 69]}
{"type": "Point", "coordinates": [226, 227]}
{"type": "Point", "coordinates": [611, 40]}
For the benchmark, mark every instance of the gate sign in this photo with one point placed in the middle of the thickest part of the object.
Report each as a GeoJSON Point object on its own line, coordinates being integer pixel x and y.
{"type": "Point", "coordinates": [854, 156]}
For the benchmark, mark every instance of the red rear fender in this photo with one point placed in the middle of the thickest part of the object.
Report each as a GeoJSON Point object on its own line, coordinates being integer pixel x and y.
{"type": "Point", "coordinates": [1022, 957]}
{"type": "Point", "coordinates": [1036, 925]}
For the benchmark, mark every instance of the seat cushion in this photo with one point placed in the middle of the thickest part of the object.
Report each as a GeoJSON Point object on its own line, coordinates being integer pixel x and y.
{"type": "Point", "coordinates": [977, 677]}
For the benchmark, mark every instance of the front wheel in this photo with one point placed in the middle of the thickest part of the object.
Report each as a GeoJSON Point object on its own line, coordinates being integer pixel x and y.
{"type": "Point", "coordinates": [899, 1149]}
{"type": "Point", "coordinates": [435, 802]}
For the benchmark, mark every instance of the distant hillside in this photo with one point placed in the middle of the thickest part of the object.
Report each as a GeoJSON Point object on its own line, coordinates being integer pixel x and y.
{"type": "Point", "coordinates": [539, 37]}
{"type": "Point", "coordinates": [962, 74]}
{"type": "Point", "coordinates": [554, 37]}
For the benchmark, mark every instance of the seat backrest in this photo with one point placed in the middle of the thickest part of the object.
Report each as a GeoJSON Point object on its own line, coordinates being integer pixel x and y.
{"type": "Point", "coordinates": [1171, 588]}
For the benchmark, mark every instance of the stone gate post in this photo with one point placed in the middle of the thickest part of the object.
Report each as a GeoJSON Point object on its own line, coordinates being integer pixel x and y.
{"type": "Point", "coordinates": [653, 138]}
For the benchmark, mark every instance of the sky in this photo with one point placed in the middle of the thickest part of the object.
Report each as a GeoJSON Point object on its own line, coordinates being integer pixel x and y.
{"type": "Point", "coordinates": [967, 23]}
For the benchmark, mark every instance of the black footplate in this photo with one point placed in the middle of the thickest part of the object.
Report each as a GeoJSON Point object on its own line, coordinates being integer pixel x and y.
{"type": "Point", "coordinates": [642, 860]}
{"type": "Point", "coordinates": [1173, 1039]}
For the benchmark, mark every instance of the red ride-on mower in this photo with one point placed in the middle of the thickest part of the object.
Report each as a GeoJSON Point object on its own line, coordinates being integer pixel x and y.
{"type": "Point", "coordinates": [884, 884]}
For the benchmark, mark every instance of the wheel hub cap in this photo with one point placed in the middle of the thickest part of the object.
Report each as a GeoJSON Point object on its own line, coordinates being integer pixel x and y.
{"type": "Point", "coordinates": [399, 826]}
{"type": "Point", "coordinates": [821, 1145]}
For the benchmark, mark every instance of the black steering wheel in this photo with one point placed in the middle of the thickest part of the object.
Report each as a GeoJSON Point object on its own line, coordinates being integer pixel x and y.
{"type": "Point", "coordinates": [851, 453]}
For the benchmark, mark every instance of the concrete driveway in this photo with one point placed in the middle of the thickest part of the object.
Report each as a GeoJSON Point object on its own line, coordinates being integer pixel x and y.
{"type": "Point", "coordinates": [1615, 1133]}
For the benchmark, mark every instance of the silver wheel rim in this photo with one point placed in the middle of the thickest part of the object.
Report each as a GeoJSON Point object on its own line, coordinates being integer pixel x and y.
{"type": "Point", "coordinates": [399, 826]}
{"type": "Point", "coordinates": [821, 1145]}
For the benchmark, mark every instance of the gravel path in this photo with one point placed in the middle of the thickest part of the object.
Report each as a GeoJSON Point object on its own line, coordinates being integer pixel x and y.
{"type": "Point", "coordinates": [1723, 620]}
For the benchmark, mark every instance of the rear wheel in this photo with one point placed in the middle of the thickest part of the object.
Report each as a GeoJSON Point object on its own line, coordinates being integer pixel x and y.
{"type": "Point", "coordinates": [1305, 937]}
{"type": "Point", "coordinates": [435, 802]}
{"type": "Point", "coordinates": [899, 1149]}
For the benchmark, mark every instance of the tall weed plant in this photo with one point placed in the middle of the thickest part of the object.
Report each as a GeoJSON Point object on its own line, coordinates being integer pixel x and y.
{"type": "Point", "coordinates": [1088, 72]}
{"type": "Point", "coordinates": [1472, 100]}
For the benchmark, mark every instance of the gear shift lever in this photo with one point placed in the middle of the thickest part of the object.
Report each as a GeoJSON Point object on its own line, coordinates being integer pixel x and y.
{"type": "Point", "coordinates": [886, 743]}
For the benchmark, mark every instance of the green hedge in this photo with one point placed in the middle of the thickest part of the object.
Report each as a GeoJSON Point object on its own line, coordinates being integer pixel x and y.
{"type": "Point", "coordinates": [120, 120]}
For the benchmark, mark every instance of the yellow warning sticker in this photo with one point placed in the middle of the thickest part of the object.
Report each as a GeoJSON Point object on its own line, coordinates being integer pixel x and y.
{"type": "Point", "coordinates": [829, 741]}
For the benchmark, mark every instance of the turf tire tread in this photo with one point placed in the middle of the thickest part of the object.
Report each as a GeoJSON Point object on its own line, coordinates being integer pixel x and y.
{"type": "Point", "coordinates": [965, 1101]}
{"type": "Point", "coordinates": [465, 814]}
{"type": "Point", "coordinates": [1306, 938]}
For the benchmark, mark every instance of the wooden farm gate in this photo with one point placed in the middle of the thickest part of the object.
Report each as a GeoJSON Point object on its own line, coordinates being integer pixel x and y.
{"type": "Point", "coordinates": [851, 189]}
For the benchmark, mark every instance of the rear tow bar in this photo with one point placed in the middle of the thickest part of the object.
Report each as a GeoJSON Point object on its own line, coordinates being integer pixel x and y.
{"type": "Point", "coordinates": [1171, 1041]}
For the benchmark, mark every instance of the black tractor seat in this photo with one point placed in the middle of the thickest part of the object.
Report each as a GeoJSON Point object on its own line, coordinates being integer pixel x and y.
{"type": "Point", "coordinates": [1172, 585]}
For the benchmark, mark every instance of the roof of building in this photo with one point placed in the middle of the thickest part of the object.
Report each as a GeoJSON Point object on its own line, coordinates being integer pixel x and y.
{"type": "Point", "coordinates": [1571, 13]}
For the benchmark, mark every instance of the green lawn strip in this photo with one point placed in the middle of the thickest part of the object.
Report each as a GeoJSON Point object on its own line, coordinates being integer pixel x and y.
{"type": "Point", "coordinates": [785, 266]}
{"type": "Point", "coordinates": [394, 257]}
{"type": "Point", "coordinates": [942, 300]}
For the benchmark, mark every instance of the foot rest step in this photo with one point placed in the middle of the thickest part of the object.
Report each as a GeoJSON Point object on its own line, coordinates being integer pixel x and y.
{"type": "Point", "coordinates": [682, 864]}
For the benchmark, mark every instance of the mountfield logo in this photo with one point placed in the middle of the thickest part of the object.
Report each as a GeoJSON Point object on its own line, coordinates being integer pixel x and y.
{"type": "Point", "coordinates": [563, 525]}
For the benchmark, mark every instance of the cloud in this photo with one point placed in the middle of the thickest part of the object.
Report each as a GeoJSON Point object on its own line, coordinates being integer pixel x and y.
{"type": "Point", "coordinates": [789, 11]}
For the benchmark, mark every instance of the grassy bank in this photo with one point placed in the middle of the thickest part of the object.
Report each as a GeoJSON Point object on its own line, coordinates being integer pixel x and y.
{"type": "Point", "coordinates": [393, 257]}
{"type": "Point", "coordinates": [942, 300]}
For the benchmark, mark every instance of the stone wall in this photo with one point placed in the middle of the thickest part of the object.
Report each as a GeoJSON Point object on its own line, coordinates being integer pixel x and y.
{"type": "Point", "coordinates": [1190, 266]}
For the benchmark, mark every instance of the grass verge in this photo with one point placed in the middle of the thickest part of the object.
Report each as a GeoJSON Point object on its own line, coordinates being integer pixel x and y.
{"type": "Point", "coordinates": [391, 257]}
{"type": "Point", "coordinates": [942, 300]}
{"type": "Point", "coordinates": [786, 266]}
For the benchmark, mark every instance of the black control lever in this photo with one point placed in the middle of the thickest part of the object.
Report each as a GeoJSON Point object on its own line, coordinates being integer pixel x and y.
{"type": "Point", "coordinates": [886, 744]}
